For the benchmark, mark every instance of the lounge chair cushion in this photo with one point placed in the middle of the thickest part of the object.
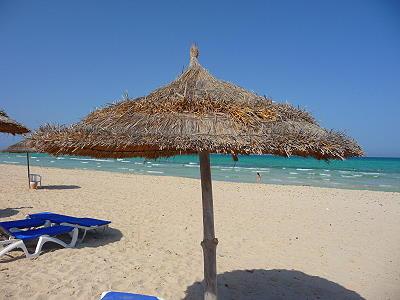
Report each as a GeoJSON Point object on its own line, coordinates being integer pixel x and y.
{"type": "Point", "coordinates": [37, 233]}
{"type": "Point", "coordinates": [57, 218]}
{"type": "Point", "coordinates": [20, 224]}
{"type": "Point", "coordinates": [126, 296]}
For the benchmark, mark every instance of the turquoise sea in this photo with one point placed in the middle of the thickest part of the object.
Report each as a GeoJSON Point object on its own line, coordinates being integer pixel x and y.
{"type": "Point", "coordinates": [369, 173]}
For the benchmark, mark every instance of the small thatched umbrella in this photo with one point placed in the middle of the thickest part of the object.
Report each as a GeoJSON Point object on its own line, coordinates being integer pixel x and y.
{"type": "Point", "coordinates": [8, 125]}
{"type": "Point", "coordinates": [22, 147]}
{"type": "Point", "coordinates": [197, 113]}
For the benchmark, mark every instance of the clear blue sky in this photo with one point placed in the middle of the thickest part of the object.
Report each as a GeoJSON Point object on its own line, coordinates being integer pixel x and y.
{"type": "Point", "coordinates": [338, 59]}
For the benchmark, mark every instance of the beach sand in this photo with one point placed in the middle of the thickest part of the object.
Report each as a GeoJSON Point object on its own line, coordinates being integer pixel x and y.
{"type": "Point", "coordinates": [275, 242]}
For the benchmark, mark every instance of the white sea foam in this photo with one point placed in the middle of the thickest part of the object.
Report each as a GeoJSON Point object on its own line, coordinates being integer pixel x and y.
{"type": "Point", "coordinates": [293, 173]}
{"type": "Point", "coordinates": [300, 169]}
{"type": "Point", "coordinates": [370, 173]}
{"type": "Point", "coordinates": [90, 159]}
{"type": "Point", "coordinates": [84, 162]}
{"type": "Point", "coordinates": [192, 166]}
{"type": "Point", "coordinates": [123, 168]}
{"type": "Point", "coordinates": [155, 172]}
{"type": "Point", "coordinates": [10, 162]}
{"type": "Point", "coordinates": [323, 174]}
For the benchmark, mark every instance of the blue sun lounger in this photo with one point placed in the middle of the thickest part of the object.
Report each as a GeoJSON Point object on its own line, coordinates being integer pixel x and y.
{"type": "Point", "coordinates": [84, 224]}
{"type": "Point", "coordinates": [110, 295]}
{"type": "Point", "coordinates": [10, 226]}
{"type": "Point", "coordinates": [20, 231]}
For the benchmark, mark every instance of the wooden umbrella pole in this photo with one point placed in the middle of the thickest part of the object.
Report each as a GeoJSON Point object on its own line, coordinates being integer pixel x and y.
{"type": "Point", "coordinates": [209, 242]}
{"type": "Point", "coordinates": [29, 172]}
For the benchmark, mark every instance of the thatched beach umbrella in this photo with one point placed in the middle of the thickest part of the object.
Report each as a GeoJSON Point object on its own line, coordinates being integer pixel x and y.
{"type": "Point", "coordinates": [8, 125]}
{"type": "Point", "coordinates": [197, 114]}
{"type": "Point", "coordinates": [22, 147]}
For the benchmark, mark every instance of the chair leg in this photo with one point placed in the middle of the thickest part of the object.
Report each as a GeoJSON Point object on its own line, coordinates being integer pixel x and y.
{"type": "Point", "coordinates": [44, 239]}
{"type": "Point", "coordinates": [83, 236]}
{"type": "Point", "coordinates": [14, 244]}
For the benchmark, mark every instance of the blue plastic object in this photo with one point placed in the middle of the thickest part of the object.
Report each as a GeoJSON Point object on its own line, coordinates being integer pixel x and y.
{"type": "Point", "coordinates": [37, 233]}
{"type": "Point", "coordinates": [21, 224]}
{"type": "Point", "coordinates": [57, 218]}
{"type": "Point", "coordinates": [126, 296]}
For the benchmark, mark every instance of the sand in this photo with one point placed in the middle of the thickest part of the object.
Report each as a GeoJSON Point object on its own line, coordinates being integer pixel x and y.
{"type": "Point", "coordinates": [275, 242]}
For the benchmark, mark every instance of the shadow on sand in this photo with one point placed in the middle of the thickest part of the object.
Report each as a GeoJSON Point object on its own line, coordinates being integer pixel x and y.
{"type": "Point", "coordinates": [273, 284]}
{"type": "Point", "coordinates": [11, 211]}
{"type": "Point", "coordinates": [59, 187]}
{"type": "Point", "coordinates": [93, 240]}
{"type": "Point", "coordinates": [100, 238]}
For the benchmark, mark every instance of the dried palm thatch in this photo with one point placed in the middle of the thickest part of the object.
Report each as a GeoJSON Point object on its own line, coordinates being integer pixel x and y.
{"type": "Point", "coordinates": [21, 147]}
{"type": "Point", "coordinates": [196, 113]}
{"type": "Point", "coordinates": [8, 125]}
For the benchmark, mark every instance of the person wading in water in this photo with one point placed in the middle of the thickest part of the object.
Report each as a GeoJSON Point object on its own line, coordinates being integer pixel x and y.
{"type": "Point", "coordinates": [258, 178]}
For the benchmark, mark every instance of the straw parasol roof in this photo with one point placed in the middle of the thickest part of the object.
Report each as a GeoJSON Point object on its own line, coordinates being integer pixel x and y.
{"type": "Point", "coordinates": [8, 125]}
{"type": "Point", "coordinates": [195, 113]}
{"type": "Point", "coordinates": [21, 147]}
